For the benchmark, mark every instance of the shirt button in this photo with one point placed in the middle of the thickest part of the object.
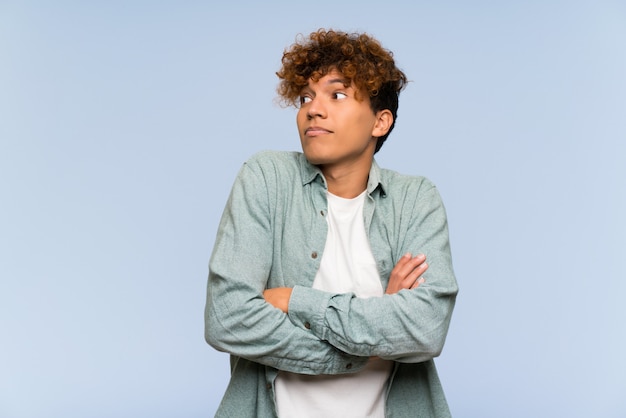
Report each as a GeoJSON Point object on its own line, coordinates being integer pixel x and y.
{"type": "Point", "coordinates": [349, 366]}
{"type": "Point", "coordinates": [314, 254]}
{"type": "Point", "coordinates": [307, 325]}
{"type": "Point", "coordinates": [268, 386]}
{"type": "Point", "coordinates": [322, 212]}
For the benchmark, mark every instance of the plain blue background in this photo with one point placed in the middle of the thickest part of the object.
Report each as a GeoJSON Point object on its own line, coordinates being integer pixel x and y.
{"type": "Point", "coordinates": [123, 124]}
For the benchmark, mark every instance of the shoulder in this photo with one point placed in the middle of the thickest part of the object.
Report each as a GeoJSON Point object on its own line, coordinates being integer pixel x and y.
{"type": "Point", "coordinates": [274, 160]}
{"type": "Point", "coordinates": [404, 186]}
{"type": "Point", "coordinates": [410, 196]}
{"type": "Point", "coordinates": [272, 169]}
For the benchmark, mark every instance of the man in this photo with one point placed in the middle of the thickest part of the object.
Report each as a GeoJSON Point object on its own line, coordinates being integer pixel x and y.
{"type": "Point", "coordinates": [318, 283]}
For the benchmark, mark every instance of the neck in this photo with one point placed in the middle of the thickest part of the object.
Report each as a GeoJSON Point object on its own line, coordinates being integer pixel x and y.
{"type": "Point", "coordinates": [347, 182]}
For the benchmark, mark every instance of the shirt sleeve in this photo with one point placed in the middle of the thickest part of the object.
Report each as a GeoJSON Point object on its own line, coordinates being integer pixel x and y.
{"type": "Point", "coordinates": [238, 320]}
{"type": "Point", "coordinates": [409, 326]}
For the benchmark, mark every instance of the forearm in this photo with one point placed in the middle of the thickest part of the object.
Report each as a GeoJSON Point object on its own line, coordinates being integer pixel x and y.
{"type": "Point", "coordinates": [386, 327]}
{"type": "Point", "coordinates": [245, 325]}
{"type": "Point", "coordinates": [406, 275]}
{"type": "Point", "coordinates": [408, 326]}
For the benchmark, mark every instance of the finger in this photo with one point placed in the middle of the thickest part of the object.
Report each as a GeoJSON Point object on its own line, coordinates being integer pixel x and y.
{"type": "Point", "coordinates": [406, 258]}
{"type": "Point", "coordinates": [415, 275]}
{"type": "Point", "coordinates": [404, 274]}
{"type": "Point", "coordinates": [412, 271]}
{"type": "Point", "coordinates": [407, 264]}
{"type": "Point", "coordinates": [418, 282]}
{"type": "Point", "coordinates": [407, 272]}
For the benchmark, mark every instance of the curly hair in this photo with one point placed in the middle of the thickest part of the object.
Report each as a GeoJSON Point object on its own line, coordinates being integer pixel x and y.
{"type": "Point", "coordinates": [360, 58]}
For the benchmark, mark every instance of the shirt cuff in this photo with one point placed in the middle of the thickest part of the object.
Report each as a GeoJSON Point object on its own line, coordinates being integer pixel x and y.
{"type": "Point", "coordinates": [307, 309]}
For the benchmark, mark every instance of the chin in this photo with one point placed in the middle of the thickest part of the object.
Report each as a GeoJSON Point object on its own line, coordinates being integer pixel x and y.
{"type": "Point", "coordinates": [314, 159]}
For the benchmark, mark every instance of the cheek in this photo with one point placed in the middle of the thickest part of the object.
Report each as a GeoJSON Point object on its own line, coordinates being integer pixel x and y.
{"type": "Point", "coordinates": [300, 118]}
{"type": "Point", "coordinates": [367, 123]}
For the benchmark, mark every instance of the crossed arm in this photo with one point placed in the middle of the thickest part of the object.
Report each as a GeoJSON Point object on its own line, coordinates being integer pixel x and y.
{"type": "Point", "coordinates": [405, 275]}
{"type": "Point", "coordinates": [321, 332]}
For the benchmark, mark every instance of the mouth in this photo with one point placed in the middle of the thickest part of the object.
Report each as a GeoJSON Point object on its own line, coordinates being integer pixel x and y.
{"type": "Point", "coordinates": [316, 131]}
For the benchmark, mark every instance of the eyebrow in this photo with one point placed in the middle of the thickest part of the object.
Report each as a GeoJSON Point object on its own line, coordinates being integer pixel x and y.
{"type": "Point", "coordinates": [328, 83]}
{"type": "Point", "coordinates": [337, 80]}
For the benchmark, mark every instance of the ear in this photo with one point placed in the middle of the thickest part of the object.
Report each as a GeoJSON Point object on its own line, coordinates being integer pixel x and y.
{"type": "Point", "coordinates": [384, 120]}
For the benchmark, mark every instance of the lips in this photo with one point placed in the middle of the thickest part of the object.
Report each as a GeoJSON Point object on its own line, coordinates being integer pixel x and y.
{"type": "Point", "coordinates": [316, 131]}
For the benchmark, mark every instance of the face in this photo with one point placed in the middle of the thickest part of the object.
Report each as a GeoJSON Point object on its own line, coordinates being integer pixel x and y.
{"type": "Point", "coordinates": [337, 129]}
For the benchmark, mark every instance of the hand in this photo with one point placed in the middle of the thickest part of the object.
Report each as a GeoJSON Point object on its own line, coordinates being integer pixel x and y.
{"type": "Point", "coordinates": [278, 297]}
{"type": "Point", "coordinates": [407, 273]}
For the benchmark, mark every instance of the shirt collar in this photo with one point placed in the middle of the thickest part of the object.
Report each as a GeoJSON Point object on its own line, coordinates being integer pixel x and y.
{"type": "Point", "coordinates": [311, 172]}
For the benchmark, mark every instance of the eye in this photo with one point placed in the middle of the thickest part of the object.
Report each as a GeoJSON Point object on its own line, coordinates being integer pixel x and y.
{"type": "Point", "coordinates": [305, 99]}
{"type": "Point", "coordinates": [339, 96]}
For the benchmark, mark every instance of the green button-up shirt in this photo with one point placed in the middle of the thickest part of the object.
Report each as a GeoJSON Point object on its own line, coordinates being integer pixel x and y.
{"type": "Point", "coordinates": [272, 234]}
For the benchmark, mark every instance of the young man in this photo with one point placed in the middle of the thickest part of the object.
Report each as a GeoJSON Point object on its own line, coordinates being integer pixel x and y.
{"type": "Point", "coordinates": [318, 283]}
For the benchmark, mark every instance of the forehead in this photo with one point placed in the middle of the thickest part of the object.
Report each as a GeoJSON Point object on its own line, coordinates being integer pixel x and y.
{"type": "Point", "coordinates": [328, 74]}
{"type": "Point", "coordinates": [330, 77]}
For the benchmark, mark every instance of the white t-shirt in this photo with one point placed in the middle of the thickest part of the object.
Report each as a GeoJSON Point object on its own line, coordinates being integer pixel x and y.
{"type": "Point", "coordinates": [347, 266]}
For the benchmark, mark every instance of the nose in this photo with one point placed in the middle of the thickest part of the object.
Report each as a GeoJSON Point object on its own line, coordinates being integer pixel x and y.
{"type": "Point", "coordinates": [315, 109]}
